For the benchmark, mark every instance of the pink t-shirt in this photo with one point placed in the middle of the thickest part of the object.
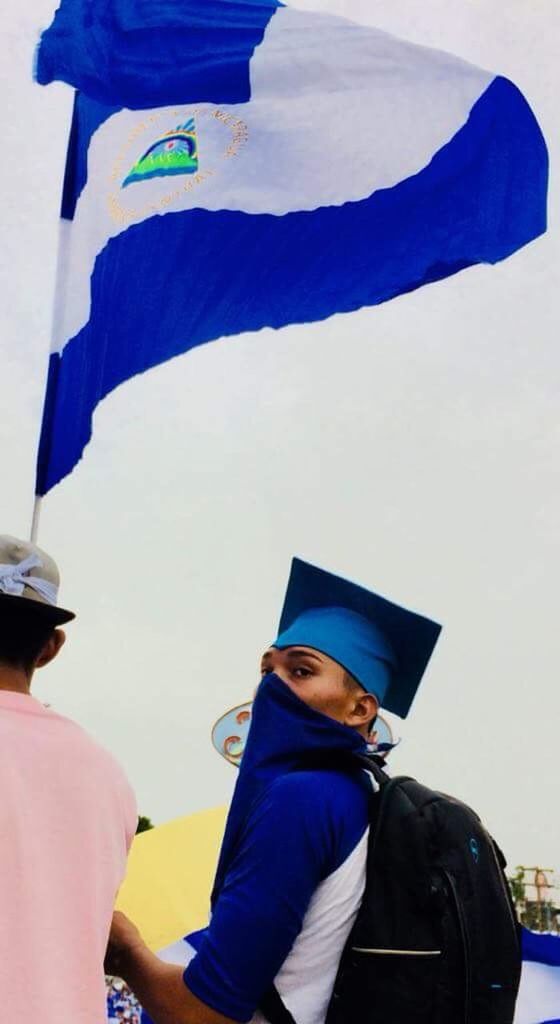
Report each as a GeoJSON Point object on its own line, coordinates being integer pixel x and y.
{"type": "Point", "coordinates": [67, 818]}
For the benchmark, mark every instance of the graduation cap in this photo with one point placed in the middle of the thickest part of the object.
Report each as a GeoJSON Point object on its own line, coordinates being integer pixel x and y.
{"type": "Point", "coordinates": [386, 648]}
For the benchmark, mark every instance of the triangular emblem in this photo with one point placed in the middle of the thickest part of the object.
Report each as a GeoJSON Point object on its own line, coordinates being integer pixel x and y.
{"type": "Point", "coordinates": [175, 152]}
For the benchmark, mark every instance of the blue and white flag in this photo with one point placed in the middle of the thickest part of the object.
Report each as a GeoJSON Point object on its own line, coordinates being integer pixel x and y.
{"type": "Point", "coordinates": [539, 993]}
{"type": "Point", "coordinates": [236, 164]}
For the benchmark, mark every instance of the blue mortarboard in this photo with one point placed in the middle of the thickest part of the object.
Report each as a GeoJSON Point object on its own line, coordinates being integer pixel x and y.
{"type": "Point", "coordinates": [386, 648]}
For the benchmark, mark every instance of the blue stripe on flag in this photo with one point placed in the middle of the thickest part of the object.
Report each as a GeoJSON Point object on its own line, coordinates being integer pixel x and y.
{"type": "Point", "coordinates": [538, 1001]}
{"type": "Point", "coordinates": [481, 197]}
{"type": "Point", "coordinates": [148, 53]}
{"type": "Point", "coordinates": [540, 948]}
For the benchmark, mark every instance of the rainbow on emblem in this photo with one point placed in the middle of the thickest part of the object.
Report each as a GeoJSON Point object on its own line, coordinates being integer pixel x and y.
{"type": "Point", "coordinates": [176, 152]}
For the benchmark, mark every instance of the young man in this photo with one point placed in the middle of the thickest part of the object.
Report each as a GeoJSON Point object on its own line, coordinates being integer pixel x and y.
{"type": "Point", "coordinates": [67, 817]}
{"type": "Point", "coordinates": [291, 872]}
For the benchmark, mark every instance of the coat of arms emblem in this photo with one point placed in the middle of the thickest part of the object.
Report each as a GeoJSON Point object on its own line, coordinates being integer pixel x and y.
{"type": "Point", "coordinates": [174, 152]}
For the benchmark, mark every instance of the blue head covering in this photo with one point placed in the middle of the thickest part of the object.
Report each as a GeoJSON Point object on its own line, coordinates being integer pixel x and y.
{"type": "Point", "coordinates": [386, 648]}
{"type": "Point", "coordinates": [284, 731]}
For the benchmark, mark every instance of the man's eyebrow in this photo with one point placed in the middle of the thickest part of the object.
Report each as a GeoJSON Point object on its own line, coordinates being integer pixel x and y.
{"type": "Point", "coordinates": [266, 656]}
{"type": "Point", "coordinates": [301, 652]}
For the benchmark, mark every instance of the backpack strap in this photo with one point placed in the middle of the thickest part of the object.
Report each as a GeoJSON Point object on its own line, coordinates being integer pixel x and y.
{"type": "Point", "coordinates": [272, 1007]}
{"type": "Point", "coordinates": [346, 760]}
{"type": "Point", "coordinates": [375, 765]}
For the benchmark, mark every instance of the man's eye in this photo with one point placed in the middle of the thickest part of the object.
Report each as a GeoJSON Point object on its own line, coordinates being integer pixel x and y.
{"type": "Point", "coordinates": [302, 672]}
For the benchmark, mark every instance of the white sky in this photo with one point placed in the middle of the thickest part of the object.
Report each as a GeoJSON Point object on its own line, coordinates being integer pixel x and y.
{"type": "Point", "coordinates": [412, 447]}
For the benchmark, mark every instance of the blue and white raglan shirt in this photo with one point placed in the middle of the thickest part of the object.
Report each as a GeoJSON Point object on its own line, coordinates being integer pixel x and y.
{"type": "Point", "coordinates": [291, 873]}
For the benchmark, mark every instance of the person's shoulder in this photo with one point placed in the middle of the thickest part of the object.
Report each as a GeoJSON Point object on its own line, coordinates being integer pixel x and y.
{"type": "Point", "coordinates": [335, 795]}
{"type": "Point", "coordinates": [87, 745]}
{"type": "Point", "coordinates": [74, 730]}
{"type": "Point", "coordinates": [329, 806]}
{"type": "Point", "coordinates": [93, 761]}
{"type": "Point", "coordinates": [328, 784]}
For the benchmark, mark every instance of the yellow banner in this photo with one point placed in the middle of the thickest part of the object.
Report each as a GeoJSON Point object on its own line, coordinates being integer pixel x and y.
{"type": "Point", "coordinates": [170, 872]}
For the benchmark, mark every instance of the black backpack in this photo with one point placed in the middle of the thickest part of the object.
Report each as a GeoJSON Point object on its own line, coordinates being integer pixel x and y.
{"type": "Point", "coordinates": [436, 939]}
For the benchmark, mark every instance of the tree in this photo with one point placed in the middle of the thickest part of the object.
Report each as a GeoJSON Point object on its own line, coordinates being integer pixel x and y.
{"type": "Point", "coordinates": [517, 885]}
{"type": "Point", "coordinates": [144, 824]}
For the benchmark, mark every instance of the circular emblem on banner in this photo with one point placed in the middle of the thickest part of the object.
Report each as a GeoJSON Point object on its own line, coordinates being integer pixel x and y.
{"type": "Point", "coordinates": [181, 148]}
{"type": "Point", "coordinates": [230, 732]}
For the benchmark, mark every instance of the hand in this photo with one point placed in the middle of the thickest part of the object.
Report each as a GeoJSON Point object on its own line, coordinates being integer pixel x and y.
{"type": "Point", "coordinates": [124, 938]}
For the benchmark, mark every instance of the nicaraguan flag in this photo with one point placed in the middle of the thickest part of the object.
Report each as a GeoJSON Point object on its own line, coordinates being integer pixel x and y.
{"type": "Point", "coordinates": [235, 164]}
{"type": "Point", "coordinates": [539, 993]}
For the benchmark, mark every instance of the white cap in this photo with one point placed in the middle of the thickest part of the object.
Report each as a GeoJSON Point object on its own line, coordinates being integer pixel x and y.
{"type": "Point", "coordinates": [30, 577]}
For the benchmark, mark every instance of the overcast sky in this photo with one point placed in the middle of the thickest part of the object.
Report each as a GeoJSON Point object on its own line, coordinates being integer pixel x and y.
{"type": "Point", "coordinates": [412, 447]}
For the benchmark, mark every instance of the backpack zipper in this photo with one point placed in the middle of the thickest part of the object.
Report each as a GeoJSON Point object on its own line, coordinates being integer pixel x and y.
{"type": "Point", "coordinates": [397, 952]}
{"type": "Point", "coordinates": [464, 942]}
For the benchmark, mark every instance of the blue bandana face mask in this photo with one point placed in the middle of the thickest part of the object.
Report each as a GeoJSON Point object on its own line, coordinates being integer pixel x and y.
{"type": "Point", "coordinates": [315, 731]}
{"type": "Point", "coordinates": [283, 732]}
{"type": "Point", "coordinates": [231, 732]}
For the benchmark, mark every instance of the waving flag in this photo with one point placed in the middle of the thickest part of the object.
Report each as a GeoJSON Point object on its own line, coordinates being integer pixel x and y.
{"type": "Point", "coordinates": [539, 994]}
{"type": "Point", "coordinates": [236, 164]}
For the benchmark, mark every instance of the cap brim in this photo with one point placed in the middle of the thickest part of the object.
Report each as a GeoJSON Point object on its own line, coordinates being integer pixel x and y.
{"type": "Point", "coordinates": [38, 609]}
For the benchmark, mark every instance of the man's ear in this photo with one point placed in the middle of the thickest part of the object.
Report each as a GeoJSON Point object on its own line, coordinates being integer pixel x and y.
{"type": "Point", "coordinates": [364, 710]}
{"type": "Point", "coordinates": [52, 647]}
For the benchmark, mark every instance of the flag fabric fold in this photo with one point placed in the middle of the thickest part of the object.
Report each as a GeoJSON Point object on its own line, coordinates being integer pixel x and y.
{"type": "Point", "coordinates": [340, 167]}
{"type": "Point", "coordinates": [147, 53]}
{"type": "Point", "coordinates": [539, 993]}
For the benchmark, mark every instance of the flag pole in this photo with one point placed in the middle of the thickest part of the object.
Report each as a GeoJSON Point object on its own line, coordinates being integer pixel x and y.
{"type": "Point", "coordinates": [36, 519]}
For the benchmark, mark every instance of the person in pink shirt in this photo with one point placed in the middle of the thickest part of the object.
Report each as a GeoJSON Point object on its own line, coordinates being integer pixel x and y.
{"type": "Point", "coordinates": [67, 818]}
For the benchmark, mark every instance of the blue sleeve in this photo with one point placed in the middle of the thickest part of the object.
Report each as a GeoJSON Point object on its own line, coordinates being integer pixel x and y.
{"type": "Point", "coordinates": [301, 831]}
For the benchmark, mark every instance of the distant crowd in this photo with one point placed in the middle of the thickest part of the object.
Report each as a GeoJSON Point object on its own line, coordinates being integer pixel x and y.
{"type": "Point", "coordinates": [122, 1005]}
